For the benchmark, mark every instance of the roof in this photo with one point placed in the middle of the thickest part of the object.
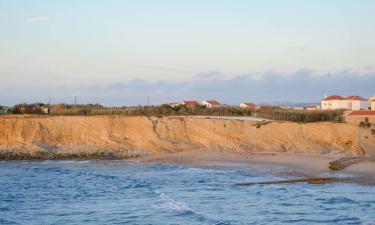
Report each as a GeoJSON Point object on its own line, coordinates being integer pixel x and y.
{"type": "Point", "coordinates": [363, 113]}
{"type": "Point", "coordinates": [190, 103]}
{"type": "Point", "coordinates": [355, 97]}
{"type": "Point", "coordinates": [213, 102]}
{"type": "Point", "coordinates": [333, 97]}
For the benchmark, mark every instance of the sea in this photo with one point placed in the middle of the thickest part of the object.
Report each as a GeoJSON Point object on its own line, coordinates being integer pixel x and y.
{"type": "Point", "coordinates": [130, 192]}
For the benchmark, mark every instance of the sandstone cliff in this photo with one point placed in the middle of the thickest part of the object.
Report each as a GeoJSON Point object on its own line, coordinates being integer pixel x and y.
{"type": "Point", "coordinates": [124, 137]}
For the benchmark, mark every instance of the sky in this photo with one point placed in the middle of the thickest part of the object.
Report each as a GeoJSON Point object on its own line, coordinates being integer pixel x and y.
{"type": "Point", "coordinates": [118, 52]}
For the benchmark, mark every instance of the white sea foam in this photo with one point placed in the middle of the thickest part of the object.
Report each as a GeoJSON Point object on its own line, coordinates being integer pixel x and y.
{"type": "Point", "coordinates": [169, 204]}
{"type": "Point", "coordinates": [65, 161]}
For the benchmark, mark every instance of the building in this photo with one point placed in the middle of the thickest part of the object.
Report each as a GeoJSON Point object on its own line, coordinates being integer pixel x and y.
{"type": "Point", "coordinates": [190, 104]}
{"type": "Point", "coordinates": [353, 102]}
{"type": "Point", "coordinates": [333, 102]}
{"type": "Point", "coordinates": [356, 102]}
{"type": "Point", "coordinates": [361, 116]}
{"type": "Point", "coordinates": [249, 105]}
{"type": "Point", "coordinates": [373, 104]}
{"type": "Point", "coordinates": [211, 104]}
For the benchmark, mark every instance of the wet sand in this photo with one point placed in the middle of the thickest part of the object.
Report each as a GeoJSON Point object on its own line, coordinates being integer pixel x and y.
{"type": "Point", "coordinates": [284, 164]}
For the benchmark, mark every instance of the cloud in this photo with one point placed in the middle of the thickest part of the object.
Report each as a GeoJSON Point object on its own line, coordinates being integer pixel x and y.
{"type": "Point", "coordinates": [303, 86]}
{"type": "Point", "coordinates": [36, 19]}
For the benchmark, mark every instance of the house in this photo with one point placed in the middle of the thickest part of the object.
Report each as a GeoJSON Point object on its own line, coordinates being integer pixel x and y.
{"type": "Point", "coordinates": [333, 102]}
{"type": "Point", "coordinates": [356, 102]}
{"type": "Point", "coordinates": [353, 102]}
{"type": "Point", "coordinates": [249, 105]}
{"type": "Point", "coordinates": [190, 104]}
{"type": "Point", "coordinates": [311, 107]}
{"type": "Point", "coordinates": [373, 104]}
{"type": "Point", "coordinates": [211, 103]}
{"type": "Point", "coordinates": [361, 115]}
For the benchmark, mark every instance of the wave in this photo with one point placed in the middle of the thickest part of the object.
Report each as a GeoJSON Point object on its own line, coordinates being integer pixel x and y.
{"type": "Point", "coordinates": [65, 161]}
{"type": "Point", "coordinates": [169, 204]}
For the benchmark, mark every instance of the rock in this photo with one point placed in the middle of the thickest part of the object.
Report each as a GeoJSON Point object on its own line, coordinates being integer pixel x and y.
{"type": "Point", "coordinates": [316, 180]}
{"type": "Point", "coordinates": [344, 162]}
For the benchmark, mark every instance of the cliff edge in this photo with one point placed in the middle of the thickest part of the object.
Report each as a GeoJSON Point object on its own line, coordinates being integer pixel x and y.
{"type": "Point", "coordinates": [40, 137]}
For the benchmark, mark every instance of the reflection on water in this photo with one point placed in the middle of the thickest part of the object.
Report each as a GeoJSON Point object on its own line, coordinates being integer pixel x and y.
{"type": "Point", "coordinates": [118, 192]}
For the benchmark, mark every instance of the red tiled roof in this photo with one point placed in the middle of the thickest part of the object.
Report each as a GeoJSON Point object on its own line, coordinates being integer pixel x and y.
{"type": "Point", "coordinates": [355, 97]}
{"type": "Point", "coordinates": [213, 102]}
{"type": "Point", "coordinates": [333, 97]}
{"type": "Point", "coordinates": [191, 103]}
{"type": "Point", "coordinates": [363, 113]}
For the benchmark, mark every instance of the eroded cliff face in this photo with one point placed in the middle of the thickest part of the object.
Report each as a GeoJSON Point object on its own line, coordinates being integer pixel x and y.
{"type": "Point", "coordinates": [124, 137]}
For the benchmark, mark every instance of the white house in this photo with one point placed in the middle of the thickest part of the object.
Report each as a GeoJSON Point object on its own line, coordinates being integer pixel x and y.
{"type": "Point", "coordinates": [353, 102]}
{"type": "Point", "coordinates": [357, 103]}
{"type": "Point", "coordinates": [333, 102]}
{"type": "Point", "coordinates": [211, 103]}
{"type": "Point", "coordinates": [373, 104]}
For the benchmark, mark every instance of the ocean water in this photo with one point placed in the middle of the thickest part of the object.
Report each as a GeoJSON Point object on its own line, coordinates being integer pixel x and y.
{"type": "Point", "coordinates": [127, 192]}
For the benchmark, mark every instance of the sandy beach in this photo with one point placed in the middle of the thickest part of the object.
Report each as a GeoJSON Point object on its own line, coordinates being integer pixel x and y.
{"type": "Point", "coordinates": [283, 163]}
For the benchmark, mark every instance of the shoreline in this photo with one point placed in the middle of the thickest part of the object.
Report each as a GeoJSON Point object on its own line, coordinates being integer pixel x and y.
{"type": "Point", "coordinates": [300, 165]}
{"type": "Point", "coordinates": [286, 165]}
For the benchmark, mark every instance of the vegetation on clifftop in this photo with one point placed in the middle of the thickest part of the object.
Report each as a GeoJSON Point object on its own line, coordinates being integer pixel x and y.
{"type": "Point", "coordinates": [266, 112]}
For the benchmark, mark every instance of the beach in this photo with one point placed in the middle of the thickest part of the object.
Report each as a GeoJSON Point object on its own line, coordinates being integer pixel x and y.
{"type": "Point", "coordinates": [305, 148]}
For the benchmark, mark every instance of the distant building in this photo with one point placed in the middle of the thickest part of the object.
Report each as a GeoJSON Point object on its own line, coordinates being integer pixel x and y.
{"type": "Point", "coordinates": [361, 115]}
{"type": "Point", "coordinates": [249, 105]}
{"type": "Point", "coordinates": [190, 104]}
{"type": "Point", "coordinates": [211, 103]}
{"type": "Point", "coordinates": [311, 107]}
{"type": "Point", "coordinates": [357, 103]}
{"type": "Point", "coordinates": [333, 102]}
{"type": "Point", "coordinates": [373, 104]}
{"type": "Point", "coordinates": [353, 102]}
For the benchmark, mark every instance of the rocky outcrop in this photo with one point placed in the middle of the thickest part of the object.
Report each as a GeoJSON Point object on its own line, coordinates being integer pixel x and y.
{"type": "Point", "coordinates": [125, 137]}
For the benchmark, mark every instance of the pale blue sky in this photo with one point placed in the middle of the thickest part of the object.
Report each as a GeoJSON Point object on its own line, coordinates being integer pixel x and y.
{"type": "Point", "coordinates": [74, 43]}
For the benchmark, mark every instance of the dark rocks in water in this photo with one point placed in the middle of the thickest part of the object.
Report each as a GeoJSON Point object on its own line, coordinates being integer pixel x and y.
{"type": "Point", "coordinates": [42, 155]}
{"type": "Point", "coordinates": [344, 162]}
{"type": "Point", "coordinates": [315, 180]}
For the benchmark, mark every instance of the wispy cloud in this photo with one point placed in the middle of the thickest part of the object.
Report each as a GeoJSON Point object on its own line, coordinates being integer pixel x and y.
{"type": "Point", "coordinates": [36, 19]}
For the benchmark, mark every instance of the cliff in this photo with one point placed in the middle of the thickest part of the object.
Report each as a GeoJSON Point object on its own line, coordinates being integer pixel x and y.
{"type": "Point", "coordinates": [27, 137]}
